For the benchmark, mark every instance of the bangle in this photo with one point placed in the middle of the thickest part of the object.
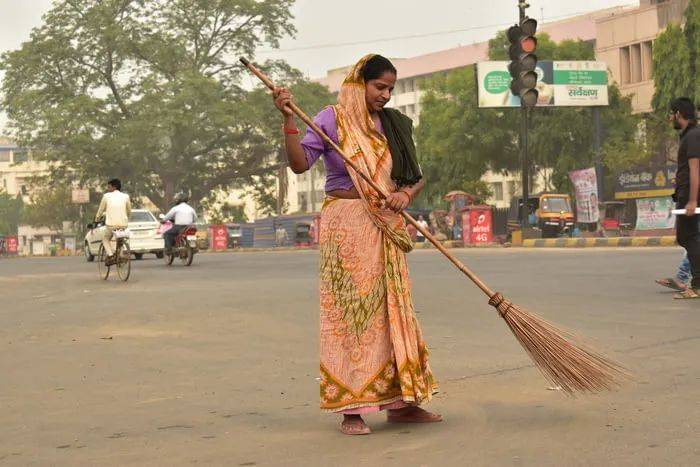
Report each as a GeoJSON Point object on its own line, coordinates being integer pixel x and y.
{"type": "Point", "coordinates": [290, 131]}
{"type": "Point", "coordinates": [410, 198]}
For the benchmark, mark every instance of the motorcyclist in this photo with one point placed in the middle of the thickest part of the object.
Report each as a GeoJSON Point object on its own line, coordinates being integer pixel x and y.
{"type": "Point", "coordinates": [181, 215]}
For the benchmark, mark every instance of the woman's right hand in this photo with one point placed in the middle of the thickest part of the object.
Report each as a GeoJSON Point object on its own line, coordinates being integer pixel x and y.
{"type": "Point", "coordinates": [282, 98]}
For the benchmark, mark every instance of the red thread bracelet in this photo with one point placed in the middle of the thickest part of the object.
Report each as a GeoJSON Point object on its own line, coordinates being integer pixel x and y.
{"type": "Point", "coordinates": [290, 131]}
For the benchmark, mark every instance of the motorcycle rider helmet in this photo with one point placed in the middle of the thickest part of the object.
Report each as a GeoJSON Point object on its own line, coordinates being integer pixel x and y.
{"type": "Point", "coordinates": [181, 197]}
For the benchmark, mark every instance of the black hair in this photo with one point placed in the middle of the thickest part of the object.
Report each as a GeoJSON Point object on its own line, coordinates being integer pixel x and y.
{"type": "Point", "coordinates": [685, 107]}
{"type": "Point", "coordinates": [116, 183]}
{"type": "Point", "coordinates": [376, 67]}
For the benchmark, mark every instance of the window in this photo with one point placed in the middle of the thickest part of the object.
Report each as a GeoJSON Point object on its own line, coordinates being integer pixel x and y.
{"type": "Point", "coordinates": [4, 156]}
{"type": "Point", "coordinates": [400, 86]}
{"type": "Point", "coordinates": [624, 65]}
{"type": "Point", "coordinates": [20, 156]}
{"type": "Point", "coordinates": [497, 189]}
{"type": "Point", "coordinates": [647, 60]}
{"type": "Point", "coordinates": [411, 110]}
{"type": "Point", "coordinates": [636, 63]}
{"type": "Point", "coordinates": [511, 188]}
{"type": "Point", "coordinates": [410, 85]}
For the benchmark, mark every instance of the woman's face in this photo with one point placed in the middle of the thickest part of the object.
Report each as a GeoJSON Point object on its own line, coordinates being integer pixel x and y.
{"type": "Point", "coordinates": [378, 91]}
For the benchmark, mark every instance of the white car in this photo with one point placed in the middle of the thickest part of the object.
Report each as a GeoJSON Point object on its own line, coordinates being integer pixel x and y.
{"type": "Point", "coordinates": [144, 238]}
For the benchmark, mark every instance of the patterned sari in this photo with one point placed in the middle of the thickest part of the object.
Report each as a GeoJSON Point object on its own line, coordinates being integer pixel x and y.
{"type": "Point", "coordinates": [372, 350]}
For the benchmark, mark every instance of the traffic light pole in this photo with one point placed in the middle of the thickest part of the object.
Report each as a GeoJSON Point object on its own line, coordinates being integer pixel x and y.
{"type": "Point", "coordinates": [523, 145]}
{"type": "Point", "coordinates": [524, 159]}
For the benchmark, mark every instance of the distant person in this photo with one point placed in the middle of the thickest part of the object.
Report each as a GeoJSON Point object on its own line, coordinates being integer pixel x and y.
{"type": "Point", "coordinates": [682, 116]}
{"type": "Point", "coordinates": [281, 236]}
{"type": "Point", "coordinates": [181, 215]}
{"type": "Point", "coordinates": [116, 208]}
{"type": "Point", "coordinates": [420, 238]}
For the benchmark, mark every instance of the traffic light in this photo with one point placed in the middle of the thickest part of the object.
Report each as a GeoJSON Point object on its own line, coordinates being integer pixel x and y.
{"type": "Point", "coordinates": [523, 44]}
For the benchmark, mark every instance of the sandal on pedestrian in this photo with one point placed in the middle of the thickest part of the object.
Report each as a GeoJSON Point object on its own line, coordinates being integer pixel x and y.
{"type": "Point", "coordinates": [671, 283]}
{"type": "Point", "coordinates": [686, 294]}
{"type": "Point", "coordinates": [354, 426]}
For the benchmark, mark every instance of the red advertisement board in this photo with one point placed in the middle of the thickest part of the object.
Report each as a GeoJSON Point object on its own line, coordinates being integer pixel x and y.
{"type": "Point", "coordinates": [11, 245]}
{"type": "Point", "coordinates": [219, 237]}
{"type": "Point", "coordinates": [477, 227]}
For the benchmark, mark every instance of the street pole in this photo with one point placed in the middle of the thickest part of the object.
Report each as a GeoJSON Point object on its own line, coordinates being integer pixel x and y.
{"type": "Point", "coordinates": [523, 143]}
{"type": "Point", "coordinates": [524, 160]}
{"type": "Point", "coordinates": [597, 147]}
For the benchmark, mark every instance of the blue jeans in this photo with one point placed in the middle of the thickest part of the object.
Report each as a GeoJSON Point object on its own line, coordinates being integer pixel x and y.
{"type": "Point", "coordinates": [683, 274]}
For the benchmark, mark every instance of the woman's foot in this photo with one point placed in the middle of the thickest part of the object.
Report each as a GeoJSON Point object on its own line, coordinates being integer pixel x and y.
{"type": "Point", "coordinates": [412, 414]}
{"type": "Point", "coordinates": [354, 425]}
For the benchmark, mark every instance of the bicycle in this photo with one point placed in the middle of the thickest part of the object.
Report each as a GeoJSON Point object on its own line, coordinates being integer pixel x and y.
{"type": "Point", "coordinates": [122, 257]}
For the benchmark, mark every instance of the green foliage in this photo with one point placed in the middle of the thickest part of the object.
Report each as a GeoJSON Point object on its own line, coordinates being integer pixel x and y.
{"type": "Point", "coordinates": [672, 68]}
{"type": "Point", "coordinates": [457, 142]}
{"type": "Point", "coordinates": [145, 91]}
{"type": "Point", "coordinates": [224, 213]}
{"type": "Point", "coordinates": [479, 189]}
{"type": "Point", "coordinates": [10, 213]}
{"type": "Point", "coordinates": [51, 206]}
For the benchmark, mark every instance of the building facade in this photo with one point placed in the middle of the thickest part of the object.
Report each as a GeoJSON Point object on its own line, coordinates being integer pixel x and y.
{"type": "Point", "coordinates": [625, 41]}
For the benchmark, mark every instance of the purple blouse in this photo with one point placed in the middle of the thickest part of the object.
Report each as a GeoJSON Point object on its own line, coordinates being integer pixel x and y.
{"type": "Point", "coordinates": [337, 177]}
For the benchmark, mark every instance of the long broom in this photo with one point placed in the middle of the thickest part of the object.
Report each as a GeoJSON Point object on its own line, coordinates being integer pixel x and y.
{"type": "Point", "coordinates": [568, 364]}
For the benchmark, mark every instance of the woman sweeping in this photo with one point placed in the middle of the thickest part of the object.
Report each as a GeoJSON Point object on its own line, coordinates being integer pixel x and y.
{"type": "Point", "coordinates": [373, 356]}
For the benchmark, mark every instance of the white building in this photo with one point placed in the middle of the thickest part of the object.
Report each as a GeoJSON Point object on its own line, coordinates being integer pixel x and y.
{"type": "Point", "coordinates": [16, 170]}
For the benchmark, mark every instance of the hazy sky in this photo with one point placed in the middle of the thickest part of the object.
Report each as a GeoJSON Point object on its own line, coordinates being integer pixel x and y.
{"type": "Point", "coordinates": [381, 26]}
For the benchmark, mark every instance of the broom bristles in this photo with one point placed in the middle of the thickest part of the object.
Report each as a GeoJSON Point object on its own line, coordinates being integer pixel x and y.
{"type": "Point", "coordinates": [561, 359]}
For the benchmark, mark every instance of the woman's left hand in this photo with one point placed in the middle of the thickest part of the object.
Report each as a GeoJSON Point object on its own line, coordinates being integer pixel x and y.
{"type": "Point", "coordinates": [397, 201]}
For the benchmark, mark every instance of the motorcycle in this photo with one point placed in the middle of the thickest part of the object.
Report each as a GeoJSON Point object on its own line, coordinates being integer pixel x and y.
{"type": "Point", "coordinates": [184, 247]}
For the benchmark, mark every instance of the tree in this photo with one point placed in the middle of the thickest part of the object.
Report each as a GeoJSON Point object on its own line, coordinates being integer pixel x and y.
{"type": "Point", "coordinates": [52, 206]}
{"type": "Point", "coordinates": [676, 61]}
{"type": "Point", "coordinates": [671, 68]}
{"type": "Point", "coordinates": [10, 213]}
{"type": "Point", "coordinates": [269, 190]}
{"type": "Point", "coordinates": [458, 142]}
{"type": "Point", "coordinates": [145, 91]}
{"type": "Point", "coordinates": [224, 213]}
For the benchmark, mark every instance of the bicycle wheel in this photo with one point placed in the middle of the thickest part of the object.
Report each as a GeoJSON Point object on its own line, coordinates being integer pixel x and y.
{"type": "Point", "coordinates": [123, 260]}
{"type": "Point", "coordinates": [102, 267]}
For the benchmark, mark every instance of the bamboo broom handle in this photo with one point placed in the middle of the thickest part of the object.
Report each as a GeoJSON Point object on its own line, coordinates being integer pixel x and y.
{"type": "Point", "coordinates": [371, 182]}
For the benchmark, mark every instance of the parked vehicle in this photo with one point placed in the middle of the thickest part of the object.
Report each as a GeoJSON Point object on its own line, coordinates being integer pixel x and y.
{"type": "Point", "coordinates": [234, 235]}
{"type": "Point", "coordinates": [202, 236]}
{"type": "Point", "coordinates": [144, 236]}
{"type": "Point", "coordinates": [613, 222]}
{"type": "Point", "coordinates": [551, 213]}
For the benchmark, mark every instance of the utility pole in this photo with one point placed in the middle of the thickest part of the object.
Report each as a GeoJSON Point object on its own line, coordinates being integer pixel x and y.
{"type": "Point", "coordinates": [524, 159]}
{"type": "Point", "coordinates": [597, 147]}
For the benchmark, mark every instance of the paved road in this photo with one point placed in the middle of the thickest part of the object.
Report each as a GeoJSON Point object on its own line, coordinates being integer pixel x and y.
{"type": "Point", "coordinates": [217, 364]}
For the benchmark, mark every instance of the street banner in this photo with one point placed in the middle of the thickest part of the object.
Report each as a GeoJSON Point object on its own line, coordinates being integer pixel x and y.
{"type": "Point", "coordinates": [219, 237]}
{"type": "Point", "coordinates": [559, 84]}
{"type": "Point", "coordinates": [650, 182]}
{"type": "Point", "coordinates": [586, 187]}
{"type": "Point", "coordinates": [655, 213]}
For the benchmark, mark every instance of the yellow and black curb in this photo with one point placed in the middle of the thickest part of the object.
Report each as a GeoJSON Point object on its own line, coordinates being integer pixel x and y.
{"type": "Point", "coordinates": [598, 242]}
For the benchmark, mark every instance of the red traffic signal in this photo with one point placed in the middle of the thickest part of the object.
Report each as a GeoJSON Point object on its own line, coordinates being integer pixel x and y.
{"type": "Point", "coordinates": [523, 44]}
